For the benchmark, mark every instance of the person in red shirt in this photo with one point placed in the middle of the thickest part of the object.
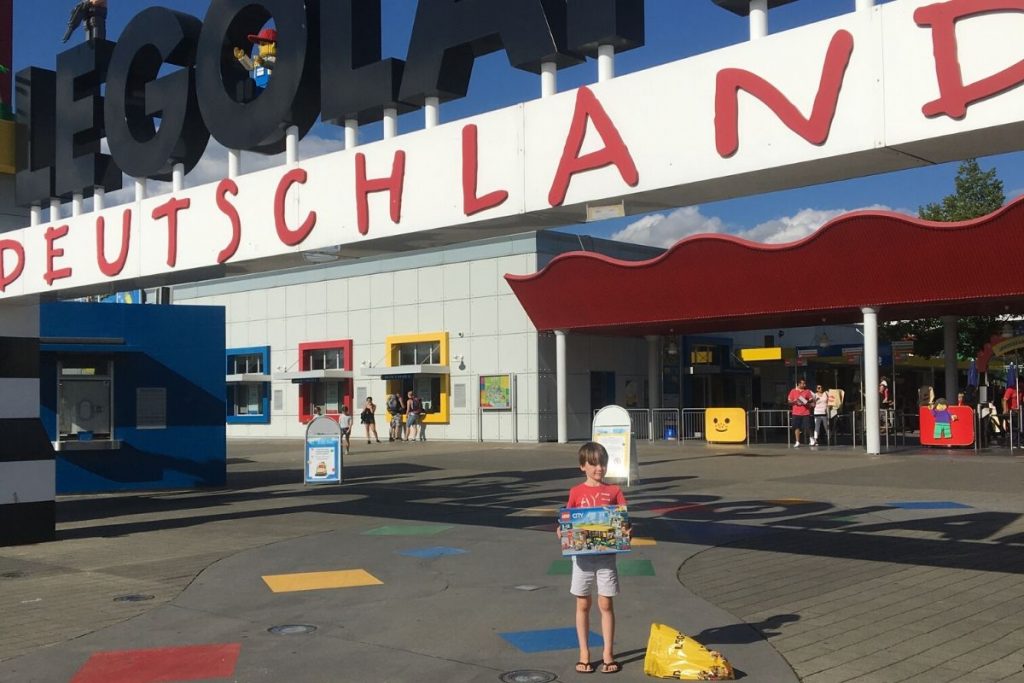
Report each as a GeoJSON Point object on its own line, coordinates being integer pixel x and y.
{"type": "Point", "coordinates": [1011, 403]}
{"type": "Point", "coordinates": [800, 400]}
{"type": "Point", "coordinates": [595, 572]}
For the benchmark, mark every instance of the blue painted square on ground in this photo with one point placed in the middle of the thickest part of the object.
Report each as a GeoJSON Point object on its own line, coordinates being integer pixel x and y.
{"type": "Point", "coordinates": [927, 505]}
{"type": "Point", "coordinates": [436, 551]}
{"type": "Point", "coordinates": [547, 640]}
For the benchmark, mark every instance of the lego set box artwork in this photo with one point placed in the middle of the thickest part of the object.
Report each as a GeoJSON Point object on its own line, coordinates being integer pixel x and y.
{"type": "Point", "coordinates": [594, 531]}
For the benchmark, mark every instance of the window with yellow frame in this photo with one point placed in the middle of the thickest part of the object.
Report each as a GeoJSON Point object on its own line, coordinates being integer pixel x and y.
{"type": "Point", "coordinates": [433, 388]}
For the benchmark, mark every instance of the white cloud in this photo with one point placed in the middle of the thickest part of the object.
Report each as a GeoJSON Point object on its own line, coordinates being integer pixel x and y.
{"type": "Point", "coordinates": [661, 230]}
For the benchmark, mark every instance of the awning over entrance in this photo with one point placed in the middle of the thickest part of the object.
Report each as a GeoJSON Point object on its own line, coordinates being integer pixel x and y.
{"type": "Point", "coordinates": [300, 376]}
{"type": "Point", "coordinates": [405, 371]}
{"type": "Point", "coordinates": [247, 377]}
{"type": "Point", "coordinates": [904, 267]}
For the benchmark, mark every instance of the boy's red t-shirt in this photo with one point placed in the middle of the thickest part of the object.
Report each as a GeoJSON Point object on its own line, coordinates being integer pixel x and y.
{"type": "Point", "coordinates": [583, 496]}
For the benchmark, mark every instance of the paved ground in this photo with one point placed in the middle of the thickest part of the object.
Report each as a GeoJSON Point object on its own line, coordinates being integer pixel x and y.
{"type": "Point", "coordinates": [811, 565]}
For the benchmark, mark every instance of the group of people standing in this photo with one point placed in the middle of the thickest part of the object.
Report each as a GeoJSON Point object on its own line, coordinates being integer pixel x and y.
{"type": "Point", "coordinates": [411, 408]}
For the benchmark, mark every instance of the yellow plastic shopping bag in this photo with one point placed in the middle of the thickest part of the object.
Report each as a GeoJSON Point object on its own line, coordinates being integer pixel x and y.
{"type": "Point", "coordinates": [671, 654]}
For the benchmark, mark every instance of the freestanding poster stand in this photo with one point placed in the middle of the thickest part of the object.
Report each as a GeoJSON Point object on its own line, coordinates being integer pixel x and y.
{"type": "Point", "coordinates": [323, 452]}
{"type": "Point", "coordinates": [613, 429]}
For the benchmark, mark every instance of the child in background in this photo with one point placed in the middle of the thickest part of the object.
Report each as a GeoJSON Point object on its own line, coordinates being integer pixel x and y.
{"type": "Point", "coordinates": [592, 573]}
{"type": "Point", "coordinates": [345, 422]}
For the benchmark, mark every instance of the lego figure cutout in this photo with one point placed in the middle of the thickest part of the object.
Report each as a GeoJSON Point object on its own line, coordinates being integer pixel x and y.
{"type": "Point", "coordinates": [262, 65]}
{"type": "Point", "coordinates": [943, 420]}
{"type": "Point", "coordinates": [93, 13]}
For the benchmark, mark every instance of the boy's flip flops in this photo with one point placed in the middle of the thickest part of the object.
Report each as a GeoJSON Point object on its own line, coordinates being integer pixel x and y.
{"type": "Point", "coordinates": [584, 667]}
{"type": "Point", "coordinates": [612, 667]}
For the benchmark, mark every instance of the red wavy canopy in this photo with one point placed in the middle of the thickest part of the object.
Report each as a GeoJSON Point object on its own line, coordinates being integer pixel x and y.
{"type": "Point", "coordinates": [907, 268]}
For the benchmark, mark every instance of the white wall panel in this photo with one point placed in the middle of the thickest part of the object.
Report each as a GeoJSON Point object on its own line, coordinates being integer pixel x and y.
{"type": "Point", "coordinates": [276, 303]}
{"type": "Point", "coordinates": [456, 281]}
{"type": "Point", "coordinates": [337, 295]}
{"type": "Point", "coordinates": [316, 298]}
{"type": "Point", "coordinates": [431, 317]}
{"type": "Point", "coordinates": [430, 283]}
{"type": "Point", "coordinates": [257, 305]}
{"type": "Point", "coordinates": [484, 312]}
{"type": "Point", "coordinates": [359, 294]}
{"type": "Point", "coordinates": [483, 277]}
{"type": "Point", "coordinates": [407, 287]}
{"type": "Point", "coordinates": [511, 316]}
{"type": "Point", "coordinates": [277, 337]}
{"type": "Point", "coordinates": [382, 322]}
{"type": "Point", "coordinates": [382, 290]}
{"type": "Point", "coordinates": [295, 332]}
{"type": "Point", "coordinates": [337, 326]}
{"type": "Point", "coordinates": [457, 317]}
{"type": "Point", "coordinates": [19, 397]}
{"type": "Point", "coordinates": [295, 300]}
{"type": "Point", "coordinates": [316, 327]}
{"type": "Point", "coordinates": [27, 481]}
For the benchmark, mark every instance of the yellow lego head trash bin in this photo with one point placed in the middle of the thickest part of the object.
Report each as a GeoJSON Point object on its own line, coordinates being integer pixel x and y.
{"type": "Point", "coordinates": [671, 654]}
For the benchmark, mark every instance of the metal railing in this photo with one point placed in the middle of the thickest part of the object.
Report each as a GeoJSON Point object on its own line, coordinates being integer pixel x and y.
{"type": "Point", "coordinates": [765, 420]}
{"type": "Point", "coordinates": [665, 424]}
{"type": "Point", "coordinates": [692, 420]}
{"type": "Point", "coordinates": [640, 423]}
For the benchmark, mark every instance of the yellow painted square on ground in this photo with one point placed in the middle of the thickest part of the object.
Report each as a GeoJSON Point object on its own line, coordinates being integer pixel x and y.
{"type": "Point", "coordinates": [313, 581]}
{"type": "Point", "coordinates": [642, 541]}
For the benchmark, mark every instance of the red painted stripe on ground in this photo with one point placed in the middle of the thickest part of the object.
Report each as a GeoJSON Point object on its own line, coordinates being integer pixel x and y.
{"type": "Point", "coordinates": [192, 663]}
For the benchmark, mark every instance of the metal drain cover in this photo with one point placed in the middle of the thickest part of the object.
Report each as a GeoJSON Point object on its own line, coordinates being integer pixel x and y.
{"type": "Point", "coordinates": [527, 676]}
{"type": "Point", "coordinates": [135, 597]}
{"type": "Point", "coordinates": [291, 629]}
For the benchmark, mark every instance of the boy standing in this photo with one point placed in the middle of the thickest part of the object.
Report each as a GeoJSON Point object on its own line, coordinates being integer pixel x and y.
{"type": "Point", "coordinates": [592, 573]}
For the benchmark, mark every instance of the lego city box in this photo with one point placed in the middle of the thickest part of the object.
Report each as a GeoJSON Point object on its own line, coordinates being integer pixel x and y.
{"type": "Point", "coordinates": [594, 531]}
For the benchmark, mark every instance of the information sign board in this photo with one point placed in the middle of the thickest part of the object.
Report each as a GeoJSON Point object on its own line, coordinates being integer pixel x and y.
{"type": "Point", "coordinates": [613, 429]}
{"type": "Point", "coordinates": [495, 392]}
{"type": "Point", "coordinates": [323, 452]}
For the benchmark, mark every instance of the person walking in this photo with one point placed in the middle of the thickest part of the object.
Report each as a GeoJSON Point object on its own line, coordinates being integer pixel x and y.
{"type": "Point", "coordinates": [369, 419]}
{"type": "Point", "coordinates": [345, 422]}
{"type": "Point", "coordinates": [413, 414]}
{"type": "Point", "coordinates": [820, 414]}
{"type": "Point", "coordinates": [800, 399]}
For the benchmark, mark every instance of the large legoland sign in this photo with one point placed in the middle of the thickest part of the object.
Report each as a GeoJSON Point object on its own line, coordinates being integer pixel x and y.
{"type": "Point", "coordinates": [906, 83]}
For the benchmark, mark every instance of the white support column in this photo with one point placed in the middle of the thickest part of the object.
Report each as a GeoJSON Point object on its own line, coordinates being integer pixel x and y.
{"type": "Point", "coordinates": [140, 189]}
{"type": "Point", "coordinates": [291, 145]}
{"type": "Point", "coordinates": [758, 19]}
{"type": "Point", "coordinates": [54, 210]}
{"type": "Point", "coordinates": [76, 204]}
{"type": "Point", "coordinates": [949, 336]}
{"type": "Point", "coordinates": [351, 133]}
{"type": "Point", "coordinates": [234, 163]}
{"type": "Point", "coordinates": [561, 401]}
{"type": "Point", "coordinates": [548, 79]}
{"type": "Point", "coordinates": [864, 4]}
{"type": "Point", "coordinates": [99, 199]}
{"type": "Point", "coordinates": [177, 177]}
{"type": "Point", "coordinates": [871, 422]}
{"type": "Point", "coordinates": [605, 63]}
{"type": "Point", "coordinates": [431, 112]}
{"type": "Point", "coordinates": [35, 215]}
{"type": "Point", "coordinates": [653, 371]}
{"type": "Point", "coordinates": [390, 123]}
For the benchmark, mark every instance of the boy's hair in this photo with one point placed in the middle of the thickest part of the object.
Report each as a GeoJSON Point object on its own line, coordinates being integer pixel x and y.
{"type": "Point", "coordinates": [593, 454]}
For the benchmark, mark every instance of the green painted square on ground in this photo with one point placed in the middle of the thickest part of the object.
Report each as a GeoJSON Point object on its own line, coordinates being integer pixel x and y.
{"type": "Point", "coordinates": [408, 530]}
{"type": "Point", "coordinates": [636, 568]}
{"type": "Point", "coordinates": [560, 568]}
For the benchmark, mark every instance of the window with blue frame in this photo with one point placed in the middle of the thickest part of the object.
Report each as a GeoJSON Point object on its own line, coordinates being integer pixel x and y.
{"type": "Point", "coordinates": [248, 394]}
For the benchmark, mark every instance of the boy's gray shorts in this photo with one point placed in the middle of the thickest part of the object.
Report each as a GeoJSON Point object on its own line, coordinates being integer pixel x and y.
{"type": "Point", "coordinates": [594, 571]}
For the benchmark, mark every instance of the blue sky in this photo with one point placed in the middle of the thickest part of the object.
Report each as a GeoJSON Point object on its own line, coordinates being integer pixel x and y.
{"type": "Point", "coordinates": [675, 29]}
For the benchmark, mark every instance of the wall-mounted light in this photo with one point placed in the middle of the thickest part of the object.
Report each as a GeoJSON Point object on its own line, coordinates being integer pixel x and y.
{"type": "Point", "coordinates": [462, 362]}
{"type": "Point", "coordinates": [672, 349]}
{"type": "Point", "coordinates": [824, 341]}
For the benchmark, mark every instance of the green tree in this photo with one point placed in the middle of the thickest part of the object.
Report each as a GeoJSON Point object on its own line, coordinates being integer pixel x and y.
{"type": "Point", "coordinates": [977, 193]}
